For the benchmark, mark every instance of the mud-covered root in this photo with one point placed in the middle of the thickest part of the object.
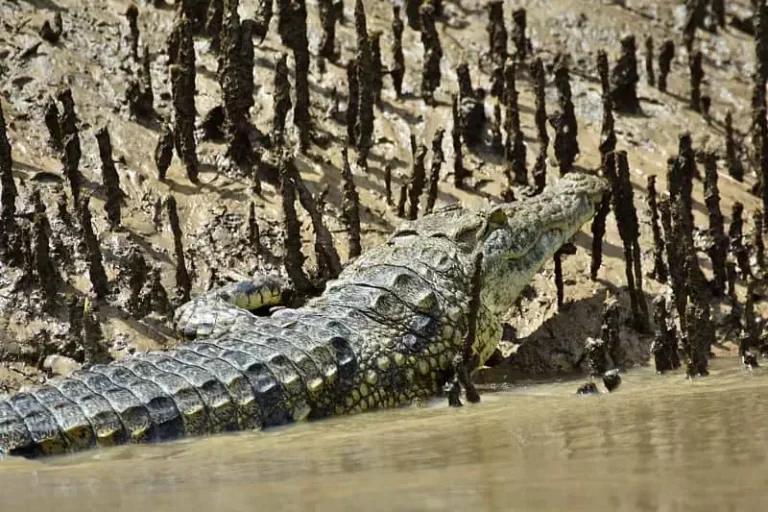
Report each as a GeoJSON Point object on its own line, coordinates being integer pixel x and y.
{"type": "Point", "coordinates": [540, 83]}
{"type": "Point", "coordinates": [183, 281]}
{"type": "Point", "coordinates": [519, 28]}
{"type": "Point", "coordinates": [696, 76]}
{"type": "Point", "coordinates": [718, 249]}
{"type": "Point", "coordinates": [514, 149]}
{"type": "Point", "coordinates": [718, 11]}
{"type": "Point", "coordinates": [294, 34]}
{"type": "Point", "coordinates": [282, 100]}
{"type": "Point", "coordinates": [110, 178]}
{"type": "Point", "coordinates": [412, 14]}
{"type": "Point", "coordinates": [254, 237]}
{"type": "Point", "coordinates": [417, 182]}
{"type": "Point", "coordinates": [607, 131]}
{"type": "Point", "coordinates": [564, 121]}
{"type": "Point", "coordinates": [565, 250]}
{"type": "Point", "coordinates": [181, 53]}
{"type": "Point", "coordinates": [388, 184]}
{"type": "Point", "coordinates": [139, 94]}
{"type": "Point", "coordinates": [757, 239]}
{"type": "Point", "coordinates": [659, 270]}
{"type": "Point", "coordinates": [750, 333]}
{"type": "Point", "coordinates": [263, 18]}
{"type": "Point", "coordinates": [696, 344]}
{"type": "Point", "coordinates": [353, 101]}
{"type": "Point", "coordinates": [733, 161]}
{"type": "Point", "coordinates": [736, 238]}
{"type": "Point", "coordinates": [539, 172]}
{"type": "Point", "coordinates": [664, 346]}
{"type": "Point", "coordinates": [8, 190]}
{"type": "Point", "coordinates": [134, 272]}
{"type": "Point", "coordinates": [470, 108]}
{"type": "Point", "coordinates": [328, 19]}
{"type": "Point", "coordinates": [164, 151]}
{"type": "Point", "coordinates": [402, 198]}
{"type": "Point", "coordinates": [351, 207]}
{"type": "Point", "coordinates": [328, 261]}
{"type": "Point", "coordinates": [598, 232]}
{"type": "Point", "coordinates": [760, 22]}
{"type": "Point", "coordinates": [46, 274]}
{"type": "Point", "coordinates": [695, 11]}
{"type": "Point", "coordinates": [398, 68]}
{"type": "Point", "coordinates": [460, 173]}
{"type": "Point", "coordinates": [98, 275]}
{"type": "Point", "coordinates": [434, 175]}
{"type": "Point", "coordinates": [184, 119]}
{"type": "Point", "coordinates": [676, 272]}
{"type": "Point", "coordinates": [51, 117]}
{"type": "Point", "coordinates": [377, 72]}
{"type": "Point", "coordinates": [629, 230]}
{"type": "Point", "coordinates": [366, 88]}
{"type": "Point", "coordinates": [293, 258]}
{"type": "Point", "coordinates": [132, 15]}
{"type": "Point", "coordinates": [680, 177]}
{"type": "Point", "coordinates": [433, 52]}
{"type": "Point", "coordinates": [608, 164]}
{"type": "Point", "coordinates": [236, 62]}
{"type": "Point", "coordinates": [624, 78]}
{"type": "Point", "coordinates": [650, 75]}
{"type": "Point", "coordinates": [666, 55]}
{"type": "Point", "coordinates": [497, 32]}
{"type": "Point", "coordinates": [731, 277]}
{"type": "Point", "coordinates": [71, 139]}
{"type": "Point", "coordinates": [214, 23]}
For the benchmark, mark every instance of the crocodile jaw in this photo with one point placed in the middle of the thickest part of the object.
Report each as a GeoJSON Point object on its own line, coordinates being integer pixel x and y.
{"type": "Point", "coordinates": [534, 230]}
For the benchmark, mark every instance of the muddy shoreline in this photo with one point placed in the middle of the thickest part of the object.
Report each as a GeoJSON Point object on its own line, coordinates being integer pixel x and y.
{"type": "Point", "coordinates": [92, 57]}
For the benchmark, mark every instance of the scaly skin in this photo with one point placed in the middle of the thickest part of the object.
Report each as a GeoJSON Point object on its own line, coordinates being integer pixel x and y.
{"type": "Point", "coordinates": [383, 334]}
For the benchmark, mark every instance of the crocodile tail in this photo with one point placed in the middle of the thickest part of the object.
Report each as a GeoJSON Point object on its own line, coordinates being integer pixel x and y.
{"type": "Point", "coordinates": [154, 397]}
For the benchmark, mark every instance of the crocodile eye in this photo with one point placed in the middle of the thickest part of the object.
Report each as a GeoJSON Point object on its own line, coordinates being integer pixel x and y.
{"type": "Point", "coordinates": [497, 217]}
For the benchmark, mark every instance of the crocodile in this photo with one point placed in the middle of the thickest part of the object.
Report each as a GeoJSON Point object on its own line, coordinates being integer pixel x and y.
{"type": "Point", "coordinates": [385, 333]}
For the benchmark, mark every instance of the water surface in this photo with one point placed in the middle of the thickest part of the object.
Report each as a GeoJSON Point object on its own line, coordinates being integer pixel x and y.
{"type": "Point", "coordinates": [658, 443]}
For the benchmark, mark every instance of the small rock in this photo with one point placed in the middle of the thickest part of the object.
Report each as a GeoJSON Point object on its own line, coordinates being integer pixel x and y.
{"type": "Point", "coordinates": [61, 365]}
{"type": "Point", "coordinates": [612, 380]}
{"type": "Point", "coordinates": [749, 361]}
{"type": "Point", "coordinates": [590, 388]}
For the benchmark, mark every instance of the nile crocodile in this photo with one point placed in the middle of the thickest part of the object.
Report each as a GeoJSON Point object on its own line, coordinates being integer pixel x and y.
{"type": "Point", "coordinates": [385, 333]}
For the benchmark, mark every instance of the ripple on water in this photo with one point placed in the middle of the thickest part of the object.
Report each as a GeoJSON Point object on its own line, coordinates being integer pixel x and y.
{"type": "Point", "coordinates": [660, 442]}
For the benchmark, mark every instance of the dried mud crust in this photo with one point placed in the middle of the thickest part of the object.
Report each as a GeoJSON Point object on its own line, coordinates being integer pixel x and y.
{"type": "Point", "coordinates": [90, 57]}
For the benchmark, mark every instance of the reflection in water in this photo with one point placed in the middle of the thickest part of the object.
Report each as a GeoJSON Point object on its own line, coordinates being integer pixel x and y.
{"type": "Point", "coordinates": [659, 443]}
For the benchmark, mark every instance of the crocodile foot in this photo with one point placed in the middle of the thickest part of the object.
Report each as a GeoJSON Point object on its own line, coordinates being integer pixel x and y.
{"type": "Point", "coordinates": [213, 314]}
{"type": "Point", "coordinates": [461, 371]}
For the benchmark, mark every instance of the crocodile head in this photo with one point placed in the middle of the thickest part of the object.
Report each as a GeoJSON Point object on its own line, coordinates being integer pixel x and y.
{"type": "Point", "coordinates": [522, 236]}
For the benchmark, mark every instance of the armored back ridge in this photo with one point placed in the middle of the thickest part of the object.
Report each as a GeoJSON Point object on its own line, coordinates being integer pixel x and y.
{"type": "Point", "coordinates": [383, 334]}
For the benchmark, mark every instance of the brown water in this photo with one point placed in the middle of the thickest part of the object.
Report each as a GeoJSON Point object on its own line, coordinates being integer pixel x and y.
{"type": "Point", "coordinates": [658, 443]}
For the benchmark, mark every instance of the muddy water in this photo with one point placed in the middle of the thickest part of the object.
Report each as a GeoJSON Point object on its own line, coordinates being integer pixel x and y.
{"type": "Point", "coordinates": [659, 443]}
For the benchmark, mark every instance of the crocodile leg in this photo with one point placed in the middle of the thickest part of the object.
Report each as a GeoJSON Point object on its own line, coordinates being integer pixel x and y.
{"type": "Point", "coordinates": [216, 312]}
